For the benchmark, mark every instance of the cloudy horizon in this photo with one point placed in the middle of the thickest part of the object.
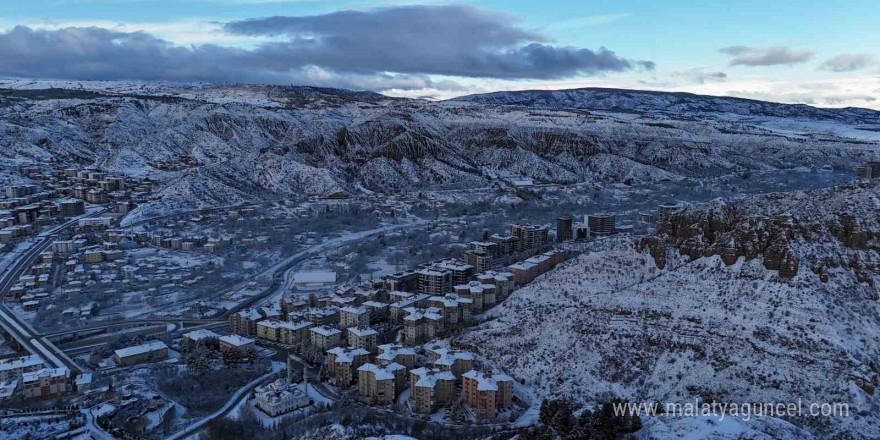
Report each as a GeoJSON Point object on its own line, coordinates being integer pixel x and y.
{"type": "Point", "coordinates": [441, 50]}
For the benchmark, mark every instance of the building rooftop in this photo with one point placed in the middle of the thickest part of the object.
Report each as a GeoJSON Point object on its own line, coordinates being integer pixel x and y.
{"type": "Point", "coordinates": [140, 349]}
{"type": "Point", "coordinates": [20, 362]}
{"type": "Point", "coordinates": [487, 381]}
{"type": "Point", "coordinates": [202, 333]}
{"type": "Point", "coordinates": [236, 340]}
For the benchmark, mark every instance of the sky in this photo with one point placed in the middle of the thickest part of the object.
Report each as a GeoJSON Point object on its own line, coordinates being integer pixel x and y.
{"type": "Point", "coordinates": [820, 53]}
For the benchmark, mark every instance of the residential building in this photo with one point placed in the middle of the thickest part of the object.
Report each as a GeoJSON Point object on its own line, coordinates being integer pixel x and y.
{"type": "Point", "coordinates": [487, 392]}
{"type": "Point", "coordinates": [244, 322]}
{"type": "Point", "coordinates": [354, 317]}
{"type": "Point", "coordinates": [435, 281]}
{"type": "Point", "coordinates": [236, 342]}
{"type": "Point", "coordinates": [147, 352]}
{"type": "Point", "coordinates": [482, 261]}
{"type": "Point", "coordinates": [13, 368]}
{"type": "Point", "coordinates": [195, 337]}
{"type": "Point", "coordinates": [379, 385]}
{"type": "Point", "coordinates": [602, 223]}
{"type": "Point", "coordinates": [45, 383]}
{"type": "Point", "coordinates": [423, 325]}
{"type": "Point", "coordinates": [395, 353]}
{"type": "Point", "coordinates": [529, 236]}
{"type": "Point", "coordinates": [444, 358]}
{"type": "Point", "coordinates": [362, 337]}
{"type": "Point", "coordinates": [564, 228]}
{"type": "Point", "coordinates": [342, 363]}
{"type": "Point", "coordinates": [431, 389]}
{"type": "Point", "coordinates": [324, 337]}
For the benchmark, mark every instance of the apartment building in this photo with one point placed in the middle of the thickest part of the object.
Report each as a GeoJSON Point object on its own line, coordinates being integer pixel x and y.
{"type": "Point", "coordinates": [602, 223]}
{"type": "Point", "coordinates": [396, 353]}
{"type": "Point", "coordinates": [482, 261]}
{"type": "Point", "coordinates": [398, 310]}
{"type": "Point", "coordinates": [435, 281]}
{"type": "Point", "coordinates": [45, 383]}
{"type": "Point", "coordinates": [324, 337]}
{"type": "Point", "coordinates": [402, 281]}
{"type": "Point", "coordinates": [354, 317]}
{"type": "Point", "coordinates": [503, 282]}
{"type": "Point", "coordinates": [486, 247]}
{"type": "Point", "coordinates": [506, 244]}
{"type": "Point", "coordinates": [529, 236]}
{"type": "Point", "coordinates": [423, 325]}
{"type": "Point", "coordinates": [487, 392]}
{"type": "Point", "coordinates": [460, 272]}
{"type": "Point", "coordinates": [362, 337]}
{"type": "Point", "coordinates": [481, 295]}
{"type": "Point", "coordinates": [342, 362]}
{"type": "Point", "coordinates": [380, 385]}
{"type": "Point", "coordinates": [244, 322]}
{"type": "Point", "coordinates": [13, 368]}
{"type": "Point", "coordinates": [444, 358]}
{"type": "Point", "coordinates": [431, 389]}
{"type": "Point", "coordinates": [378, 311]}
{"type": "Point", "coordinates": [323, 316]}
{"type": "Point", "coordinates": [564, 231]}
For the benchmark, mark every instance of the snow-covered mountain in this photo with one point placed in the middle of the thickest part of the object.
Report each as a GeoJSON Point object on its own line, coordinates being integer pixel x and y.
{"type": "Point", "coordinates": [226, 143]}
{"type": "Point", "coordinates": [768, 299]}
{"type": "Point", "coordinates": [674, 104]}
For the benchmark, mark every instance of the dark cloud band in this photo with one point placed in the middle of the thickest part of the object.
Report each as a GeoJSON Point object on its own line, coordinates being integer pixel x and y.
{"type": "Point", "coordinates": [376, 49]}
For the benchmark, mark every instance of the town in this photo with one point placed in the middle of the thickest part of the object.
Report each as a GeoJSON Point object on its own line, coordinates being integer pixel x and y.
{"type": "Point", "coordinates": [97, 307]}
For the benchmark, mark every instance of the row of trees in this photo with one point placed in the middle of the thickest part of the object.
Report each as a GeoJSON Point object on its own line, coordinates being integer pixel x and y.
{"type": "Point", "coordinates": [557, 420]}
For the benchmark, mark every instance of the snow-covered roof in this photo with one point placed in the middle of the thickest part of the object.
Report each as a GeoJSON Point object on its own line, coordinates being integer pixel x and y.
{"type": "Point", "coordinates": [202, 333]}
{"type": "Point", "coordinates": [382, 373]}
{"type": "Point", "coordinates": [325, 331]}
{"type": "Point", "coordinates": [236, 340]}
{"type": "Point", "coordinates": [20, 362]}
{"type": "Point", "coordinates": [140, 349]}
{"type": "Point", "coordinates": [347, 354]}
{"type": "Point", "coordinates": [428, 378]}
{"type": "Point", "coordinates": [487, 381]}
{"type": "Point", "coordinates": [315, 277]}
{"type": "Point", "coordinates": [362, 332]}
{"type": "Point", "coordinates": [45, 372]}
{"type": "Point", "coordinates": [376, 304]}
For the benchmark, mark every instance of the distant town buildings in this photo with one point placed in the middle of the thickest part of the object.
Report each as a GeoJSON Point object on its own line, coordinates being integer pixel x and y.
{"type": "Point", "coordinates": [564, 228]}
{"type": "Point", "coordinates": [602, 224]}
{"type": "Point", "coordinates": [869, 170]}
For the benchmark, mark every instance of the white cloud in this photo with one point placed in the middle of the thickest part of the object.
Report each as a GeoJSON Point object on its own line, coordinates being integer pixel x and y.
{"type": "Point", "coordinates": [592, 20]}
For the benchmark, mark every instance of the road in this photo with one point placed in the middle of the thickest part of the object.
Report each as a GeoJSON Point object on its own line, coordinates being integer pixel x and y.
{"type": "Point", "coordinates": [289, 264]}
{"type": "Point", "coordinates": [224, 410]}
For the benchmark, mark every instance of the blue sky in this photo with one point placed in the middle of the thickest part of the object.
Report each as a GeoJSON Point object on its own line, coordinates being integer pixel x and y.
{"type": "Point", "coordinates": [820, 53]}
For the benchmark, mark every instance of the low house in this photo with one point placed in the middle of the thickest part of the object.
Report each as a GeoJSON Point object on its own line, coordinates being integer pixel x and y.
{"type": "Point", "coordinates": [147, 352]}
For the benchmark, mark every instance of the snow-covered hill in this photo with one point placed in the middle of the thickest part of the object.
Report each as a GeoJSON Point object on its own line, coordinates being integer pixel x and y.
{"type": "Point", "coordinates": [675, 104]}
{"type": "Point", "coordinates": [223, 143]}
{"type": "Point", "coordinates": [713, 321]}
